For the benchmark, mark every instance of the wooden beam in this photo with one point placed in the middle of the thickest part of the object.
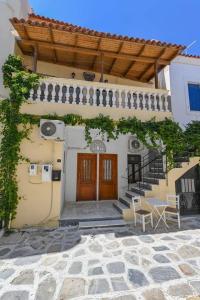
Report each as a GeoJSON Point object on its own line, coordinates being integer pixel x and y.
{"type": "Point", "coordinates": [35, 58]}
{"type": "Point", "coordinates": [115, 59]}
{"type": "Point", "coordinates": [133, 63]}
{"type": "Point", "coordinates": [102, 68]}
{"type": "Point", "coordinates": [26, 32]}
{"type": "Point", "coordinates": [87, 51]}
{"type": "Point", "coordinates": [81, 67]}
{"type": "Point", "coordinates": [157, 62]}
{"type": "Point", "coordinates": [52, 40]}
{"type": "Point", "coordinates": [75, 54]}
{"type": "Point", "coordinates": [156, 75]}
{"type": "Point", "coordinates": [96, 58]}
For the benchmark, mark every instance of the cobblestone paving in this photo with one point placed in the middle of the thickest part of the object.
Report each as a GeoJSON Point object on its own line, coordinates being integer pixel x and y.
{"type": "Point", "coordinates": [120, 264]}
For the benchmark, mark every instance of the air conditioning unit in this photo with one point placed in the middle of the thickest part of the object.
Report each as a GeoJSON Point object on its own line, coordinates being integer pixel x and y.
{"type": "Point", "coordinates": [134, 145]}
{"type": "Point", "coordinates": [52, 130]}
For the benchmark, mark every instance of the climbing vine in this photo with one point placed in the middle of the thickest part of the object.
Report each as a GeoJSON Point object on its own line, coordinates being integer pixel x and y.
{"type": "Point", "coordinates": [166, 136]}
{"type": "Point", "coordinates": [13, 130]}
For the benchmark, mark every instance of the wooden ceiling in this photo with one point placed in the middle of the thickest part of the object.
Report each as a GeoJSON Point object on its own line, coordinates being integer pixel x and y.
{"type": "Point", "coordinates": [79, 47]}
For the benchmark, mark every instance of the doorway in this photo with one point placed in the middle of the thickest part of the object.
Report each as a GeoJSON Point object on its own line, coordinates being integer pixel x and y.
{"type": "Point", "coordinates": [97, 177]}
{"type": "Point", "coordinates": [134, 168]}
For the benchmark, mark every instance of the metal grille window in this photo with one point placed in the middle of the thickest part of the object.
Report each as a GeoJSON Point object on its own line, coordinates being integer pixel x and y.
{"type": "Point", "coordinates": [107, 166]}
{"type": "Point", "coordinates": [194, 96]}
{"type": "Point", "coordinates": [86, 170]}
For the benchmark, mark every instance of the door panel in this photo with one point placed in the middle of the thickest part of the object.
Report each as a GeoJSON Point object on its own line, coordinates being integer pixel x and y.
{"type": "Point", "coordinates": [108, 176]}
{"type": "Point", "coordinates": [86, 176]}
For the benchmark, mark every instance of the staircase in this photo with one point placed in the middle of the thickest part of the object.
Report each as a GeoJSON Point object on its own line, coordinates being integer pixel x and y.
{"type": "Point", "coordinates": [153, 173]}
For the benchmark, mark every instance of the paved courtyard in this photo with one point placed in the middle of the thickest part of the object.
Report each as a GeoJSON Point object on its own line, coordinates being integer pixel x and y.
{"type": "Point", "coordinates": [120, 264]}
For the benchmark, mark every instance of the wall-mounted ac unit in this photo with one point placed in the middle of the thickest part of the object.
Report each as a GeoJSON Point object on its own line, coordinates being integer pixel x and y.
{"type": "Point", "coordinates": [52, 130]}
{"type": "Point", "coordinates": [134, 145]}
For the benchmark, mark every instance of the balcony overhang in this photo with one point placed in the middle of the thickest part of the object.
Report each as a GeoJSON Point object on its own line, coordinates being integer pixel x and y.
{"type": "Point", "coordinates": [62, 43]}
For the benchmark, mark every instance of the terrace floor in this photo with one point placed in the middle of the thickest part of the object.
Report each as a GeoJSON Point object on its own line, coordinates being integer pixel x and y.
{"type": "Point", "coordinates": [117, 263]}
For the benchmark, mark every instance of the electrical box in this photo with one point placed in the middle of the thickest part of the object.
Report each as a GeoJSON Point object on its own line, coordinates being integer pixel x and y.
{"type": "Point", "coordinates": [46, 172]}
{"type": "Point", "coordinates": [56, 175]}
{"type": "Point", "coordinates": [33, 169]}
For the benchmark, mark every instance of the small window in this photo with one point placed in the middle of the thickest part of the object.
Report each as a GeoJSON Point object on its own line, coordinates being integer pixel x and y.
{"type": "Point", "coordinates": [194, 96]}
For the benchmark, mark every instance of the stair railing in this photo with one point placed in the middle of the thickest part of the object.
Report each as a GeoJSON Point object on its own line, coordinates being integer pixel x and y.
{"type": "Point", "coordinates": [149, 162]}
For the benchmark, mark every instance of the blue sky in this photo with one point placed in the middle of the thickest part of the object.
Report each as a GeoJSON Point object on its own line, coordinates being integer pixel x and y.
{"type": "Point", "coordinates": [175, 21]}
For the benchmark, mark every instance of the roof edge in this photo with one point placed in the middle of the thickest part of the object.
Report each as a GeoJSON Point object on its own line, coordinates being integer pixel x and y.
{"type": "Point", "coordinates": [38, 20]}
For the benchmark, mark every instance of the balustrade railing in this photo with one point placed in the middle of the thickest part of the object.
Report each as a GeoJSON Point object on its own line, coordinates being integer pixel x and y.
{"type": "Point", "coordinates": [103, 95]}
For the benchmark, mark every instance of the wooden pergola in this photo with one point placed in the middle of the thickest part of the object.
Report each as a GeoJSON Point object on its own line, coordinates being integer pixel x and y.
{"type": "Point", "coordinates": [66, 44]}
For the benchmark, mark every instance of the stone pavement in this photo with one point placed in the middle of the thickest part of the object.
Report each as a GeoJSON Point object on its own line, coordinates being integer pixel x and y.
{"type": "Point", "coordinates": [120, 264]}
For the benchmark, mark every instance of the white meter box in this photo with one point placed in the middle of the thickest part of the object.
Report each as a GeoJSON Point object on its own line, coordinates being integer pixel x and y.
{"type": "Point", "coordinates": [46, 172]}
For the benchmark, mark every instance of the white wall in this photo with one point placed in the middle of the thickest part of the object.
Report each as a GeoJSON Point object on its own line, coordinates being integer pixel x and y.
{"type": "Point", "coordinates": [75, 143]}
{"type": "Point", "coordinates": [183, 70]}
{"type": "Point", "coordinates": [9, 9]}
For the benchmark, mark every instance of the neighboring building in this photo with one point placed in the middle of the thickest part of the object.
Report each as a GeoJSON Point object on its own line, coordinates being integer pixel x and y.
{"type": "Point", "coordinates": [185, 88]}
{"type": "Point", "coordinates": [89, 73]}
{"type": "Point", "coordinates": [8, 10]}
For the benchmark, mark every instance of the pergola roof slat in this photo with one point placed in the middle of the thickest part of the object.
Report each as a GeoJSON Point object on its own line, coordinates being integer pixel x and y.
{"type": "Point", "coordinates": [122, 54]}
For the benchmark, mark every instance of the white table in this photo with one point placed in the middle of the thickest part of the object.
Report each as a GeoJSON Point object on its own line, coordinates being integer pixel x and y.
{"type": "Point", "coordinates": [156, 204]}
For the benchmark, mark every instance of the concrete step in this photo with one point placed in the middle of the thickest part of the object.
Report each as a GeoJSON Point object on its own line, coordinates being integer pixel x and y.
{"type": "Point", "coordinates": [102, 224]}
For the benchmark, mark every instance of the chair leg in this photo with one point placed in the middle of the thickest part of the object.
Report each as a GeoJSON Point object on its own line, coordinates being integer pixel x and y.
{"type": "Point", "coordinates": [179, 221]}
{"type": "Point", "coordinates": [152, 220]}
{"type": "Point", "coordinates": [164, 216]}
{"type": "Point", "coordinates": [143, 223]}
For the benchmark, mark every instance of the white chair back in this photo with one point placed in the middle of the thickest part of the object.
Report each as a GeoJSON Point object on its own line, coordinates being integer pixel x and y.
{"type": "Point", "coordinates": [174, 200]}
{"type": "Point", "coordinates": [136, 202]}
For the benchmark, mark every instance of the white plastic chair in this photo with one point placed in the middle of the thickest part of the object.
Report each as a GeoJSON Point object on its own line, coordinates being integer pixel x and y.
{"type": "Point", "coordinates": [142, 213]}
{"type": "Point", "coordinates": [173, 209]}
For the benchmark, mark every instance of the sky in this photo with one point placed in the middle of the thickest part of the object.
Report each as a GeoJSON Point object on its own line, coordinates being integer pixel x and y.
{"type": "Point", "coordinates": [175, 21]}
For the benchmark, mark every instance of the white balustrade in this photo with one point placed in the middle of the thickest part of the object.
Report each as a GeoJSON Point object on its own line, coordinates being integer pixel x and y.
{"type": "Point", "coordinates": [101, 94]}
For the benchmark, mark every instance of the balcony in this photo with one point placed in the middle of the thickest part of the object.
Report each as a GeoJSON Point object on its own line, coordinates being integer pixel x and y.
{"type": "Point", "coordinates": [101, 95]}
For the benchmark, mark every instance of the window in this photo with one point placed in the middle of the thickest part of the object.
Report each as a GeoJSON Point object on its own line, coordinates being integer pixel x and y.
{"type": "Point", "coordinates": [194, 96]}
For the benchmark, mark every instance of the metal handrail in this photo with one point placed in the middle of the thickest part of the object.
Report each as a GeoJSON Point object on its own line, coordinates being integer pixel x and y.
{"type": "Point", "coordinates": [145, 164]}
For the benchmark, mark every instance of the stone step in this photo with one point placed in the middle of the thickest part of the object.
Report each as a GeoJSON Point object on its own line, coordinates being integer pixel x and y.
{"type": "Point", "coordinates": [102, 224]}
{"type": "Point", "coordinates": [144, 185]}
{"type": "Point", "coordinates": [150, 180]}
{"type": "Point", "coordinates": [126, 201]}
{"type": "Point", "coordinates": [135, 191]}
{"type": "Point", "coordinates": [157, 164]}
{"type": "Point", "coordinates": [75, 222]}
{"type": "Point", "coordinates": [181, 159]}
{"type": "Point", "coordinates": [119, 206]}
{"type": "Point", "coordinates": [155, 175]}
{"type": "Point", "coordinates": [156, 169]}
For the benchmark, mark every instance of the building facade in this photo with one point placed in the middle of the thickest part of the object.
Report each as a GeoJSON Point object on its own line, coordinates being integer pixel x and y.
{"type": "Point", "coordinates": [88, 73]}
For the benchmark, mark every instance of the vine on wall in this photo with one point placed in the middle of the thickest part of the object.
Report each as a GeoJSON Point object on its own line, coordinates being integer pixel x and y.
{"type": "Point", "coordinates": [19, 82]}
{"type": "Point", "coordinates": [165, 135]}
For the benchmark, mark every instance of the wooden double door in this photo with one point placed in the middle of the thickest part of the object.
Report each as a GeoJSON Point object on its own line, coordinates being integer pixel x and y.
{"type": "Point", "coordinates": [96, 176]}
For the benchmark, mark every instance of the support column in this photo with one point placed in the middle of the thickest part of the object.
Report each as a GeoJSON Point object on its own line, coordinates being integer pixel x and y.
{"type": "Point", "coordinates": [35, 58]}
{"type": "Point", "coordinates": [156, 75]}
{"type": "Point", "coordinates": [102, 67]}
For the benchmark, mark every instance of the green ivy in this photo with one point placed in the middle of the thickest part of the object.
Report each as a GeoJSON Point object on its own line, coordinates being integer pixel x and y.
{"type": "Point", "coordinates": [19, 83]}
{"type": "Point", "coordinates": [166, 136]}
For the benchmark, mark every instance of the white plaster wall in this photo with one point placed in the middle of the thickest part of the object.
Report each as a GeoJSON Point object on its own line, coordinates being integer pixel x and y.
{"type": "Point", "coordinates": [183, 70]}
{"type": "Point", "coordinates": [9, 9]}
{"type": "Point", "coordinates": [75, 143]}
